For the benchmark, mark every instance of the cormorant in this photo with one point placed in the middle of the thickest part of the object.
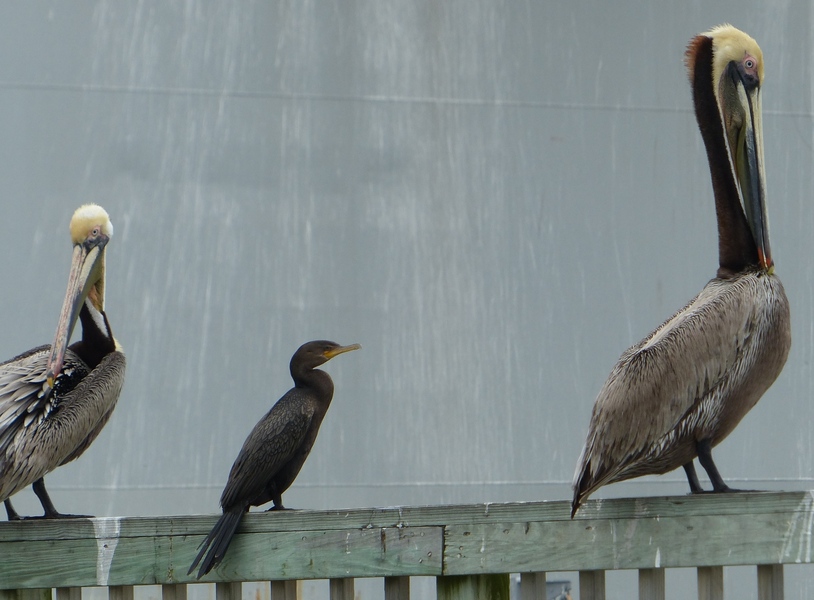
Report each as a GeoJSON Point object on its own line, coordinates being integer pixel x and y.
{"type": "Point", "coordinates": [274, 452]}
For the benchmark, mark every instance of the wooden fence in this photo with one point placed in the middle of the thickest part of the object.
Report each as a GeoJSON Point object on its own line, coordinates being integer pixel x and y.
{"type": "Point", "coordinates": [470, 549]}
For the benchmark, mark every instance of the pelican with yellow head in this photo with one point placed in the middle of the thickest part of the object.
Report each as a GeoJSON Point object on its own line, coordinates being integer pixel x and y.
{"type": "Point", "coordinates": [679, 392]}
{"type": "Point", "coordinates": [54, 400]}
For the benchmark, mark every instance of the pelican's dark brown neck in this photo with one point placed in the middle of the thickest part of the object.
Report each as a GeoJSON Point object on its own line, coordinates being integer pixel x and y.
{"type": "Point", "coordinates": [736, 245]}
{"type": "Point", "coordinates": [97, 340]}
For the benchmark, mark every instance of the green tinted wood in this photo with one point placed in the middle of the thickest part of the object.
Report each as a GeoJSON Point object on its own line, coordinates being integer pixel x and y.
{"type": "Point", "coordinates": [683, 531]}
{"type": "Point", "coordinates": [473, 587]}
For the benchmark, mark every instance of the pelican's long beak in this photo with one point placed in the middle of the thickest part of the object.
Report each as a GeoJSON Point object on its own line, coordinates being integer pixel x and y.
{"type": "Point", "coordinates": [86, 269]}
{"type": "Point", "coordinates": [741, 108]}
{"type": "Point", "coordinates": [340, 350]}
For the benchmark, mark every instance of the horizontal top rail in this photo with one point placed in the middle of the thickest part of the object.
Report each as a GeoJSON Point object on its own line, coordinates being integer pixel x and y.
{"type": "Point", "coordinates": [627, 533]}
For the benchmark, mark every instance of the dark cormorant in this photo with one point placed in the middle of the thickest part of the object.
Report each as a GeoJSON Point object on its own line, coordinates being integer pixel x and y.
{"type": "Point", "coordinates": [274, 452]}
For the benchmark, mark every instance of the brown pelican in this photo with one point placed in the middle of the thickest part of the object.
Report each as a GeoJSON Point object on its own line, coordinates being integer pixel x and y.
{"type": "Point", "coordinates": [274, 452]}
{"type": "Point", "coordinates": [54, 400]}
{"type": "Point", "coordinates": [680, 391]}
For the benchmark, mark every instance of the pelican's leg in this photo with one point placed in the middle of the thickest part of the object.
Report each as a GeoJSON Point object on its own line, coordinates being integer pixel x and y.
{"type": "Point", "coordinates": [12, 514]}
{"type": "Point", "coordinates": [278, 503]}
{"type": "Point", "coordinates": [692, 477]}
{"type": "Point", "coordinates": [50, 511]}
{"type": "Point", "coordinates": [705, 458]}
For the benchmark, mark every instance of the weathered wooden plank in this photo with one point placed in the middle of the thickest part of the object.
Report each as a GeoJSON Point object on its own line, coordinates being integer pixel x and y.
{"type": "Point", "coordinates": [332, 554]}
{"type": "Point", "coordinates": [651, 584]}
{"type": "Point", "coordinates": [592, 585]}
{"type": "Point", "coordinates": [341, 589]}
{"type": "Point", "coordinates": [710, 583]}
{"type": "Point", "coordinates": [787, 503]}
{"type": "Point", "coordinates": [473, 587]}
{"type": "Point", "coordinates": [770, 582]}
{"type": "Point", "coordinates": [396, 588]}
{"type": "Point", "coordinates": [628, 543]}
{"type": "Point", "coordinates": [532, 586]}
{"type": "Point", "coordinates": [257, 557]}
{"type": "Point", "coordinates": [761, 528]}
{"type": "Point", "coordinates": [284, 590]}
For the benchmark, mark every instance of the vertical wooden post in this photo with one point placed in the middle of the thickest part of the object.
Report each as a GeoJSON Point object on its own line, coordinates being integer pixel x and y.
{"type": "Point", "coordinates": [284, 590]}
{"type": "Point", "coordinates": [228, 591]}
{"type": "Point", "coordinates": [396, 588]}
{"type": "Point", "coordinates": [473, 587]}
{"type": "Point", "coordinates": [710, 583]}
{"type": "Point", "coordinates": [651, 584]}
{"type": "Point", "coordinates": [120, 592]}
{"type": "Point", "coordinates": [169, 591]}
{"type": "Point", "coordinates": [532, 586]}
{"type": "Point", "coordinates": [341, 589]}
{"type": "Point", "coordinates": [770, 582]}
{"type": "Point", "coordinates": [73, 593]}
{"type": "Point", "coordinates": [592, 585]}
{"type": "Point", "coordinates": [32, 594]}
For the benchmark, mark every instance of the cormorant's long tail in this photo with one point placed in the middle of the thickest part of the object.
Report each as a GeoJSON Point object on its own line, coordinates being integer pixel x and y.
{"type": "Point", "coordinates": [217, 542]}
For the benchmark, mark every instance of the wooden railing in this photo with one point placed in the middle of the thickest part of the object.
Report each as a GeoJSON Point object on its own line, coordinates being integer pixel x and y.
{"type": "Point", "coordinates": [470, 550]}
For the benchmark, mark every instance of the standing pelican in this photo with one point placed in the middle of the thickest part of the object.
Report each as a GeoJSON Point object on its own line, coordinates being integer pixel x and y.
{"type": "Point", "coordinates": [276, 449]}
{"type": "Point", "coordinates": [680, 391]}
{"type": "Point", "coordinates": [54, 400]}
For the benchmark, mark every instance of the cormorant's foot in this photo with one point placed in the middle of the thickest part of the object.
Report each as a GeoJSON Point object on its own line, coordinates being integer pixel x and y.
{"type": "Point", "coordinates": [278, 507]}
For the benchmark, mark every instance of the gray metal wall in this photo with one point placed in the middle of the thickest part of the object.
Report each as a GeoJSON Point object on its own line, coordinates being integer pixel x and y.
{"type": "Point", "coordinates": [494, 198]}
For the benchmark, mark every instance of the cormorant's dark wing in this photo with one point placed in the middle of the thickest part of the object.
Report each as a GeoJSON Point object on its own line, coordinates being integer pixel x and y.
{"type": "Point", "coordinates": [272, 443]}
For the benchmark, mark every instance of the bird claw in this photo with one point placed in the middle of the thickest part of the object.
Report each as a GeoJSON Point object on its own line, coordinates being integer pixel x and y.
{"type": "Point", "coordinates": [57, 515]}
{"type": "Point", "coordinates": [725, 490]}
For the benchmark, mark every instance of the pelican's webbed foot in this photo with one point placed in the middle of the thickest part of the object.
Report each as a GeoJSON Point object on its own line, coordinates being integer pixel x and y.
{"type": "Point", "coordinates": [50, 511]}
{"type": "Point", "coordinates": [13, 515]}
{"type": "Point", "coordinates": [704, 449]}
{"type": "Point", "coordinates": [692, 478]}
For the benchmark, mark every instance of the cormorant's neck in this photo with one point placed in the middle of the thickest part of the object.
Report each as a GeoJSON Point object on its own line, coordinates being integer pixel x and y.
{"type": "Point", "coordinates": [97, 338]}
{"type": "Point", "coordinates": [316, 380]}
{"type": "Point", "coordinates": [736, 246]}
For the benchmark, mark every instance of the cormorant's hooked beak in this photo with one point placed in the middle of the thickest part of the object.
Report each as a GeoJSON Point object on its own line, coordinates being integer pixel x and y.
{"type": "Point", "coordinates": [86, 267]}
{"type": "Point", "coordinates": [329, 354]}
{"type": "Point", "coordinates": [739, 95]}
